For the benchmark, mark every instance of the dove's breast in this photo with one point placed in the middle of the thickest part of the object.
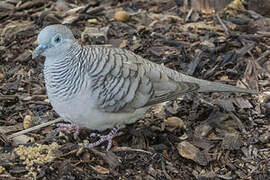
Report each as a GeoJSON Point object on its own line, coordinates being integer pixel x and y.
{"type": "Point", "coordinates": [64, 85]}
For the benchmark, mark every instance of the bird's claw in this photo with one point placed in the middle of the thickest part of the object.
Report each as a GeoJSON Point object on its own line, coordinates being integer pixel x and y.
{"type": "Point", "coordinates": [103, 138]}
{"type": "Point", "coordinates": [62, 127]}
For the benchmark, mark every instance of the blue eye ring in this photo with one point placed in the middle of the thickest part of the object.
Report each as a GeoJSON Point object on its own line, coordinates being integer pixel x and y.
{"type": "Point", "coordinates": [56, 39]}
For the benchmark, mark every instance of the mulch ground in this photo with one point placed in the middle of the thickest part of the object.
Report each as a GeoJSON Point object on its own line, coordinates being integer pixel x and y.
{"type": "Point", "coordinates": [198, 136]}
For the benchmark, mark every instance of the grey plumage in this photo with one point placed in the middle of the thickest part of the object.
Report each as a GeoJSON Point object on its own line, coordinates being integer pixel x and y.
{"type": "Point", "coordinates": [99, 87]}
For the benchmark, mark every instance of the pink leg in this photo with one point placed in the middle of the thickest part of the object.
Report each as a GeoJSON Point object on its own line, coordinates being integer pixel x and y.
{"type": "Point", "coordinates": [69, 128]}
{"type": "Point", "coordinates": [104, 138]}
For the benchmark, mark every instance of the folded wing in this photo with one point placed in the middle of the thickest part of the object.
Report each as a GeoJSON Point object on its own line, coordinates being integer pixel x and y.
{"type": "Point", "coordinates": [124, 82]}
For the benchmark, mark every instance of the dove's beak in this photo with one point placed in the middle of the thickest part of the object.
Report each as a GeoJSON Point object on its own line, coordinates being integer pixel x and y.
{"type": "Point", "coordinates": [40, 49]}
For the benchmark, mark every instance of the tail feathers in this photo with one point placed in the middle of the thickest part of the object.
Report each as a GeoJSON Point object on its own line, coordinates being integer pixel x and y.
{"type": "Point", "coordinates": [208, 86]}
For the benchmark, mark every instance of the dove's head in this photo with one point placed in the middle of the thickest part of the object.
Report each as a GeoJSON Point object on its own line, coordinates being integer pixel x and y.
{"type": "Point", "coordinates": [53, 40]}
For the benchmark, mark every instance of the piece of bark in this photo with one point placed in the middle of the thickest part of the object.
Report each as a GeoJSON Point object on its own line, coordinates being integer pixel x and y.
{"type": "Point", "coordinates": [189, 151]}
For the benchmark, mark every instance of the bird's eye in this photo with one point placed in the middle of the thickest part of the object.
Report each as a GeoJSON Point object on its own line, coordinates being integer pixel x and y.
{"type": "Point", "coordinates": [57, 39]}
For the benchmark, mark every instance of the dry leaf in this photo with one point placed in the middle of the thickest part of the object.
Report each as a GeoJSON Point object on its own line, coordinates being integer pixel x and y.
{"type": "Point", "coordinates": [22, 139]}
{"type": "Point", "coordinates": [174, 122]}
{"type": "Point", "coordinates": [100, 169]}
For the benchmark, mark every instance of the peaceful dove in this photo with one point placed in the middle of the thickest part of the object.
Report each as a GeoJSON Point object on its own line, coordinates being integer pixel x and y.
{"type": "Point", "coordinates": [99, 87]}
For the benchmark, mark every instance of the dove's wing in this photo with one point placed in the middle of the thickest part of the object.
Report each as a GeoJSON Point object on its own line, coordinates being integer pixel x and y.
{"type": "Point", "coordinates": [124, 82]}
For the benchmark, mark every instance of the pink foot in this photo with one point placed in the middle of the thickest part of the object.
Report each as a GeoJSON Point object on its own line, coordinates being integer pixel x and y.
{"type": "Point", "coordinates": [69, 128]}
{"type": "Point", "coordinates": [104, 138]}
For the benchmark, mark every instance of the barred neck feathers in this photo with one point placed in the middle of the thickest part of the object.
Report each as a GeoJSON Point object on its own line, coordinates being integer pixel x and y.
{"type": "Point", "coordinates": [65, 76]}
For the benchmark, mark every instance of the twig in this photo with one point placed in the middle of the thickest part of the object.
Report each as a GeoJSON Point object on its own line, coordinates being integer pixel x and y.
{"type": "Point", "coordinates": [239, 122]}
{"type": "Point", "coordinates": [34, 128]}
{"type": "Point", "coordinates": [205, 101]}
{"type": "Point", "coordinates": [8, 97]}
{"type": "Point", "coordinates": [164, 170]}
{"type": "Point", "coordinates": [266, 53]}
{"type": "Point", "coordinates": [95, 10]}
{"type": "Point", "coordinates": [245, 49]}
{"type": "Point", "coordinates": [223, 25]}
{"type": "Point", "coordinates": [117, 149]}
{"type": "Point", "coordinates": [21, 97]}
{"type": "Point", "coordinates": [189, 14]}
{"type": "Point", "coordinates": [192, 66]}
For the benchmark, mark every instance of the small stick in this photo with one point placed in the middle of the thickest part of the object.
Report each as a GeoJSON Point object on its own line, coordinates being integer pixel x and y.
{"type": "Point", "coordinates": [118, 149]}
{"type": "Point", "coordinates": [188, 15]}
{"type": "Point", "coordinates": [34, 128]}
{"type": "Point", "coordinates": [266, 53]}
{"type": "Point", "coordinates": [223, 25]}
{"type": "Point", "coordinates": [8, 97]}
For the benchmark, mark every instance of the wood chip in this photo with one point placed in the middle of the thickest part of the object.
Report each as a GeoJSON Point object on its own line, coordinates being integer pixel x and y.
{"type": "Point", "coordinates": [189, 151]}
{"type": "Point", "coordinates": [232, 141]}
{"type": "Point", "coordinates": [22, 139]}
